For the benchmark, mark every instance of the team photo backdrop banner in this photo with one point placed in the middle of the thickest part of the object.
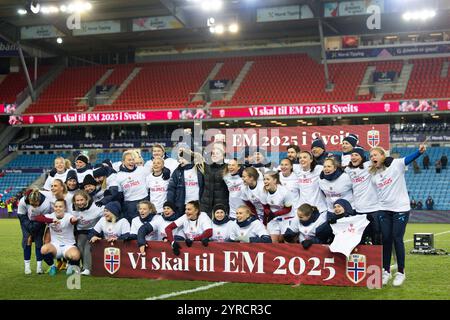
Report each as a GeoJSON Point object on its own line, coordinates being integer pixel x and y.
{"type": "Point", "coordinates": [255, 111]}
{"type": "Point", "coordinates": [276, 139]}
{"type": "Point", "coordinates": [279, 263]}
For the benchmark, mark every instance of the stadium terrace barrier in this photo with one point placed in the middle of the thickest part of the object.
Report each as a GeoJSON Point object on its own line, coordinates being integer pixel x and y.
{"type": "Point", "coordinates": [279, 263]}
{"type": "Point", "coordinates": [425, 216]}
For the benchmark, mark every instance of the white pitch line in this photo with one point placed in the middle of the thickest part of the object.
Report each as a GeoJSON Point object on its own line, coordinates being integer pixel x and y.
{"type": "Point", "coordinates": [179, 293]}
{"type": "Point", "coordinates": [394, 266]}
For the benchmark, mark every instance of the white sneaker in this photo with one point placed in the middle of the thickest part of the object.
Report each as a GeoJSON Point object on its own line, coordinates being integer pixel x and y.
{"type": "Point", "coordinates": [86, 272]}
{"type": "Point", "coordinates": [386, 277]}
{"type": "Point", "coordinates": [39, 271]}
{"type": "Point", "coordinates": [27, 270]}
{"type": "Point", "coordinates": [399, 279]}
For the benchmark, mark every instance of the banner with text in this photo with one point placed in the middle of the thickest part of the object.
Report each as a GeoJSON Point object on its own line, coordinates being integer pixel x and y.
{"type": "Point", "coordinates": [278, 138]}
{"type": "Point", "coordinates": [283, 13]}
{"type": "Point", "coordinates": [278, 263]}
{"type": "Point", "coordinates": [388, 52]}
{"type": "Point", "coordinates": [258, 111]}
{"type": "Point", "coordinates": [39, 32]}
{"type": "Point", "coordinates": [97, 27]}
{"type": "Point", "coordinates": [156, 23]}
{"type": "Point", "coordinates": [93, 145]}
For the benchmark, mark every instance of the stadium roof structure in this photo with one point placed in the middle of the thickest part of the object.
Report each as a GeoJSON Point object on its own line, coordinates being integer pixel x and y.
{"type": "Point", "coordinates": [194, 24]}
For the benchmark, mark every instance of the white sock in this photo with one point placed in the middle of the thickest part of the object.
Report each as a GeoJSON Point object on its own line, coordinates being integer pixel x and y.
{"type": "Point", "coordinates": [27, 263]}
{"type": "Point", "coordinates": [39, 264]}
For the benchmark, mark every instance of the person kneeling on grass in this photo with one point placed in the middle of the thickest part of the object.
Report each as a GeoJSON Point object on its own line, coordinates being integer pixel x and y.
{"type": "Point", "coordinates": [109, 227]}
{"type": "Point", "coordinates": [146, 226]}
{"type": "Point", "coordinates": [62, 245]}
{"type": "Point", "coordinates": [309, 218]}
{"type": "Point", "coordinates": [222, 223]}
{"type": "Point", "coordinates": [247, 228]}
{"type": "Point", "coordinates": [196, 225]}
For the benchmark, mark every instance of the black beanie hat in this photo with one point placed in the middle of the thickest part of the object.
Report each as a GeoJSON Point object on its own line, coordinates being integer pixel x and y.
{"type": "Point", "coordinates": [220, 206]}
{"type": "Point", "coordinates": [359, 150]}
{"type": "Point", "coordinates": [89, 179]}
{"type": "Point", "coordinates": [83, 158]}
{"type": "Point", "coordinates": [100, 172]}
{"type": "Point", "coordinates": [114, 207]}
{"type": "Point", "coordinates": [107, 162]}
{"type": "Point", "coordinates": [170, 205]}
{"type": "Point", "coordinates": [346, 205]}
{"type": "Point", "coordinates": [71, 174]}
{"type": "Point", "coordinates": [318, 143]}
{"type": "Point", "coordinates": [352, 139]}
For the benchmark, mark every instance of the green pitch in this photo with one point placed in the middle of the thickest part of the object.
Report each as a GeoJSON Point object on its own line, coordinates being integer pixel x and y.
{"type": "Point", "coordinates": [427, 278]}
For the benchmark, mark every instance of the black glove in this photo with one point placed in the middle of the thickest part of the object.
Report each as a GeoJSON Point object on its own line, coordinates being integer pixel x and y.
{"type": "Point", "coordinates": [189, 242]}
{"type": "Point", "coordinates": [306, 244]}
{"type": "Point", "coordinates": [99, 203]}
{"type": "Point", "coordinates": [166, 174]}
{"type": "Point", "coordinates": [205, 242]}
{"type": "Point", "coordinates": [175, 248]}
{"type": "Point", "coordinates": [53, 172]}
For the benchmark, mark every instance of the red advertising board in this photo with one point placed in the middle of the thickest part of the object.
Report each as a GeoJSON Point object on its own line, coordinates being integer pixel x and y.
{"type": "Point", "coordinates": [279, 263]}
{"type": "Point", "coordinates": [259, 111]}
{"type": "Point", "coordinates": [278, 138]}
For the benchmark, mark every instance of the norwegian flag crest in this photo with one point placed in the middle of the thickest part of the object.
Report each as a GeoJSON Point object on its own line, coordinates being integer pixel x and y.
{"type": "Point", "coordinates": [356, 268]}
{"type": "Point", "coordinates": [373, 138]}
{"type": "Point", "coordinates": [111, 260]}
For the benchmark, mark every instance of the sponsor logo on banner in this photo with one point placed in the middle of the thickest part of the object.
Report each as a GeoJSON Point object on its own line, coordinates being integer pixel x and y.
{"type": "Point", "coordinates": [373, 138]}
{"type": "Point", "coordinates": [39, 32]}
{"type": "Point", "coordinates": [278, 13]}
{"type": "Point", "coordinates": [330, 9]}
{"type": "Point", "coordinates": [156, 23]}
{"type": "Point", "coordinates": [356, 268]}
{"type": "Point", "coordinates": [111, 260]}
{"type": "Point", "coordinates": [97, 27]}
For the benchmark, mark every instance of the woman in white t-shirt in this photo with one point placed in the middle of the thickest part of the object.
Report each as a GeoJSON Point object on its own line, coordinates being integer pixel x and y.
{"type": "Point", "coordinates": [62, 245]}
{"type": "Point", "coordinates": [253, 192]}
{"type": "Point", "coordinates": [58, 172]}
{"type": "Point", "coordinates": [196, 225]}
{"type": "Point", "coordinates": [308, 182]}
{"type": "Point", "coordinates": [304, 226]}
{"type": "Point", "coordinates": [221, 224]}
{"type": "Point", "coordinates": [364, 193]}
{"type": "Point", "coordinates": [277, 202]}
{"type": "Point", "coordinates": [157, 184]}
{"type": "Point", "coordinates": [247, 228]}
{"type": "Point", "coordinates": [235, 184]}
{"type": "Point", "coordinates": [335, 183]}
{"type": "Point", "coordinates": [388, 176]}
{"type": "Point", "coordinates": [110, 227]}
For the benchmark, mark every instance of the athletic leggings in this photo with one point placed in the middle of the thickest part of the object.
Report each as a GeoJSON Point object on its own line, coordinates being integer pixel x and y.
{"type": "Point", "coordinates": [393, 226]}
{"type": "Point", "coordinates": [37, 234]}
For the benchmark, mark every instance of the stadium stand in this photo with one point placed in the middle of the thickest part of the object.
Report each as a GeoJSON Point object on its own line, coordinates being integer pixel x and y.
{"type": "Point", "coordinates": [33, 161]}
{"type": "Point", "coordinates": [66, 92]}
{"type": "Point", "coordinates": [15, 82]}
{"type": "Point", "coordinates": [288, 78]}
{"type": "Point", "coordinates": [428, 182]}
{"type": "Point", "coordinates": [426, 80]}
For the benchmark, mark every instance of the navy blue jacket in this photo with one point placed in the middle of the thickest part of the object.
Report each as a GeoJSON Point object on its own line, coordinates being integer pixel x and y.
{"type": "Point", "coordinates": [176, 191]}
